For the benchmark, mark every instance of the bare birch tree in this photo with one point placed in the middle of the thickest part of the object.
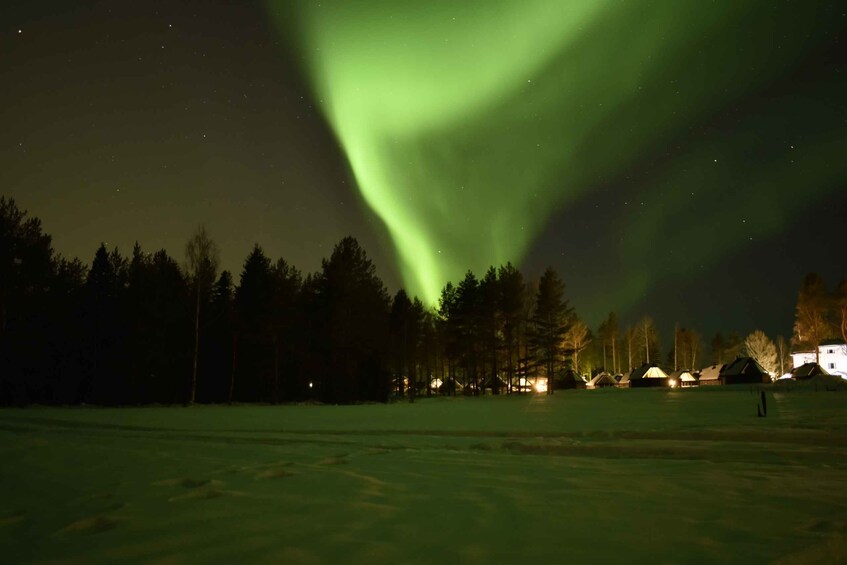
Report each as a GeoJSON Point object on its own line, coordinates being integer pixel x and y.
{"type": "Point", "coordinates": [576, 339]}
{"type": "Point", "coordinates": [202, 257]}
{"type": "Point", "coordinates": [687, 344]}
{"type": "Point", "coordinates": [647, 338]}
{"type": "Point", "coordinates": [760, 347]}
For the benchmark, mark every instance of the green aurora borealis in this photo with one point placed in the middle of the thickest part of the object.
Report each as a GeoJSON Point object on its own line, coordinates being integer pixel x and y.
{"type": "Point", "coordinates": [469, 125]}
{"type": "Point", "coordinates": [682, 159]}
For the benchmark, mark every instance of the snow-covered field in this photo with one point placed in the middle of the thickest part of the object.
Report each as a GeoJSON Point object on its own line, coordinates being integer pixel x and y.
{"type": "Point", "coordinates": [583, 476]}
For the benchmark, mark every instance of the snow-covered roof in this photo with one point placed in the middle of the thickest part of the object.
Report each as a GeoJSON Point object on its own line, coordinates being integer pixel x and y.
{"type": "Point", "coordinates": [602, 378]}
{"type": "Point", "coordinates": [648, 372]}
{"type": "Point", "coordinates": [712, 373]}
{"type": "Point", "coordinates": [683, 375]}
{"type": "Point", "coordinates": [742, 366]}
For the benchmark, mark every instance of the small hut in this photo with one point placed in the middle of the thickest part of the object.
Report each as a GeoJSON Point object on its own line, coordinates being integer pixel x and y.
{"type": "Point", "coordinates": [495, 385]}
{"type": "Point", "coordinates": [807, 371]}
{"type": "Point", "coordinates": [811, 376]}
{"type": "Point", "coordinates": [450, 386]}
{"type": "Point", "coordinates": [623, 380]}
{"type": "Point", "coordinates": [682, 378]}
{"type": "Point", "coordinates": [602, 380]}
{"type": "Point", "coordinates": [648, 376]}
{"type": "Point", "coordinates": [744, 370]}
{"type": "Point", "coordinates": [570, 379]}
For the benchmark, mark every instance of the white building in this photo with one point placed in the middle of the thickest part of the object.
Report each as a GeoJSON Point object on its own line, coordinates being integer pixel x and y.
{"type": "Point", "coordinates": [833, 358]}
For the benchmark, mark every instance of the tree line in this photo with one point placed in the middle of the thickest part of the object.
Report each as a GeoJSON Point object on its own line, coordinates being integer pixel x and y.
{"type": "Point", "coordinates": [146, 328]}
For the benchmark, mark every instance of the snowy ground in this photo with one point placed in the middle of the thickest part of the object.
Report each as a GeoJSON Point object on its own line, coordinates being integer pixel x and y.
{"type": "Point", "coordinates": [584, 476]}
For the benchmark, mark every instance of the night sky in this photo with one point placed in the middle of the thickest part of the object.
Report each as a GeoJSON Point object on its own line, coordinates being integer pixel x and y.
{"type": "Point", "coordinates": [686, 160]}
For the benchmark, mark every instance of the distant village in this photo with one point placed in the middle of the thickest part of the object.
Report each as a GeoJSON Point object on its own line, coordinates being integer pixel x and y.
{"type": "Point", "coordinates": [827, 370]}
{"type": "Point", "coordinates": [814, 356]}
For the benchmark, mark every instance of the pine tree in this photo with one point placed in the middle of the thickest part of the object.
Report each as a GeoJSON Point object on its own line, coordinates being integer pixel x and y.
{"type": "Point", "coordinates": [467, 315]}
{"type": "Point", "coordinates": [254, 306]}
{"type": "Point", "coordinates": [26, 270]}
{"type": "Point", "coordinates": [511, 298]}
{"type": "Point", "coordinates": [287, 283]}
{"type": "Point", "coordinates": [219, 347]}
{"type": "Point", "coordinates": [491, 325]}
{"type": "Point", "coordinates": [448, 324]}
{"type": "Point", "coordinates": [551, 320]}
{"type": "Point", "coordinates": [352, 305]}
{"type": "Point", "coordinates": [105, 307]}
{"type": "Point", "coordinates": [430, 350]}
{"type": "Point", "coordinates": [399, 323]}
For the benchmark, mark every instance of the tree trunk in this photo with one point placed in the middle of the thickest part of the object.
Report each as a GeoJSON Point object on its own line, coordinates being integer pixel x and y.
{"type": "Point", "coordinates": [511, 369]}
{"type": "Point", "coordinates": [693, 355]}
{"type": "Point", "coordinates": [428, 371]}
{"type": "Point", "coordinates": [604, 354]}
{"type": "Point", "coordinates": [451, 368]}
{"type": "Point", "coordinates": [232, 369]}
{"type": "Point", "coordinates": [196, 345]}
{"type": "Point", "coordinates": [675, 339]}
{"type": "Point", "coordinates": [551, 357]}
{"type": "Point", "coordinates": [495, 383]}
{"type": "Point", "coordinates": [646, 346]}
{"type": "Point", "coordinates": [614, 355]}
{"type": "Point", "coordinates": [276, 368]}
{"type": "Point", "coordinates": [575, 360]}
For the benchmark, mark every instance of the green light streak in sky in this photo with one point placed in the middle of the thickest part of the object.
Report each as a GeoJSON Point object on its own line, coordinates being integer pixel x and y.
{"type": "Point", "coordinates": [467, 124]}
{"type": "Point", "coordinates": [408, 91]}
